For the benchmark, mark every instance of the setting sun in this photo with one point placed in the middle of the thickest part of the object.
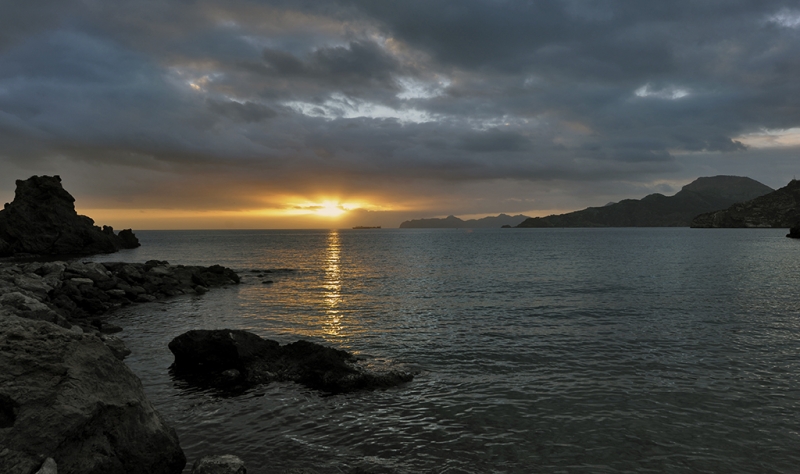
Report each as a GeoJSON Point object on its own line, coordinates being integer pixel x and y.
{"type": "Point", "coordinates": [330, 209]}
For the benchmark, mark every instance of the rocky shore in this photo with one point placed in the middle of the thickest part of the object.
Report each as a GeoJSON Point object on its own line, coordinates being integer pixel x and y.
{"type": "Point", "coordinates": [81, 293]}
{"type": "Point", "coordinates": [68, 403]}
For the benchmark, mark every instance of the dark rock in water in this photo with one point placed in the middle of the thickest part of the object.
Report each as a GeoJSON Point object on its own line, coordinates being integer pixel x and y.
{"type": "Point", "coordinates": [780, 208]}
{"type": "Point", "coordinates": [65, 396]}
{"type": "Point", "coordinates": [202, 357]}
{"type": "Point", "coordinates": [794, 232]}
{"type": "Point", "coordinates": [42, 221]}
{"type": "Point", "coordinates": [220, 350]}
{"type": "Point", "coordinates": [221, 464]}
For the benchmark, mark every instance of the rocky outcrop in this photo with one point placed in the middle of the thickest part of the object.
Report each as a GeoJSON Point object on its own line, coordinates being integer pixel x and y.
{"type": "Point", "coordinates": [65, 396]}
{"type": "Point", "coordinates": [656, 210]}
{"type": "Point", "coordinates": [794, 232]}
{"type": "Point", "coordinates": [228, 358]}
{"type": "Point", "coordinates": [780, 208]}
{"type": "Point", "coordinates": [42, 221]}
{"type": "Point", "coordinates": [69, 293]}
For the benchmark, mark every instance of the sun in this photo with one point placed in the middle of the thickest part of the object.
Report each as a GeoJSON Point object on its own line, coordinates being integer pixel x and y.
{"type": "Point", "coordinates": [329, 209]}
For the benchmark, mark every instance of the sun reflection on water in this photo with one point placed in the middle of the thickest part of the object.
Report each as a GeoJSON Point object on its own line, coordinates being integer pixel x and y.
{"type": "Point", "coordinates": [333, 325]}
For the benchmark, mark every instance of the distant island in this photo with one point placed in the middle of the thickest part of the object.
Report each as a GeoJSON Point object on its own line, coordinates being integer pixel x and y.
{"type": "Point", "coordinates": [780, 208]}
{"type": "Point", "coordinates": [702, 195]}
{"type": "Point", "coordinates": [359, 227]}
{"type": "Point", "coordinates": [453, 222]}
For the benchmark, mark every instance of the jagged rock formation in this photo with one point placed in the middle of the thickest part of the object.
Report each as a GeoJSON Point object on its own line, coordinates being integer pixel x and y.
{"type": "Point", "coordinates": [453, 222]}
{"type": "Point", "coordinates": [42, 221]}
{"type": "Point", "coordinates": [76, 293]}
{"type": "Point", "coordinates": [228, 358]}
{"type": "Point", "coordinates": [780, 208]}
{"type": "Point", "coordinates": [65, 396]}
{"type": "Point", "coordinates": [657, 210]}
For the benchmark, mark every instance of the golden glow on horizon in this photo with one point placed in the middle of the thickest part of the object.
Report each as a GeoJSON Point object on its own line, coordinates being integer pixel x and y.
{"type": "Point", "coordinates": [330, 209]}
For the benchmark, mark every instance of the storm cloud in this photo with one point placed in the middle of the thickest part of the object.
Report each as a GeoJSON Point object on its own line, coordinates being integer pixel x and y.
{"type": "Point", "coordinates": [568, 103]}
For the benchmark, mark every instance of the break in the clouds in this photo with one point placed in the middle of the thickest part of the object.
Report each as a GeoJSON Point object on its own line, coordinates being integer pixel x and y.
{"type": "Point", "coordinates": [421, 107]}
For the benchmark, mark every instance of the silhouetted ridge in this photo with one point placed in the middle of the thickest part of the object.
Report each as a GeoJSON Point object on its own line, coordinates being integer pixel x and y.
{"type": "Point", "coordinates": [780, 208]}
{"type": "Point", "coordinates": [656, 210]}
{"type": "Point", "coordinates": [453, 222]}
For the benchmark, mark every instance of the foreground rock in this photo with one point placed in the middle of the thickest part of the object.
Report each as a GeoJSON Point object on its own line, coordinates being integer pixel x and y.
{"type": "Point", "coordinates": [70, 293]}
{"type": "Point", "coordinates": [42, 221]}
{"type": "Point", "coordinates": [780, 208]}
{"type": "Point", "coordinates": [63, 395]}
{"type": "Point", "coordinates": [229, 358]}
{"type": "Point", "coordinates": [794, 232]}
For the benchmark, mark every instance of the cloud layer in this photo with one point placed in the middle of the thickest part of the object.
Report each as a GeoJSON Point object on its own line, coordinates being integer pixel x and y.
{"type": "Point", "coordinates": [426, 107]}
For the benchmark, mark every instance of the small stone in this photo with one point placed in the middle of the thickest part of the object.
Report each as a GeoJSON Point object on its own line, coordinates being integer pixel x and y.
{"type": "Point", "coordinates": [231, 375]}
{"type": "Point", "coordinates": [267, 282]}
{"type": "Point", "coordinates": [200, 289]}
{"type": "Point", "coordinates": [117, 346]}
{"type": "Point", "coordinates": [145, 298]}
{"type": "Point", "coordinates": [48, 467]}
{"type": "Point", "coordinates": [77, 329]}
{"type": "Point", "coordinates": [82, 281]}
{"type": "Point", "coordinates": [221, 464]}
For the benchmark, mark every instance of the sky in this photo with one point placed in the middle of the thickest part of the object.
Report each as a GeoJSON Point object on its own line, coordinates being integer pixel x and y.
{"type": "Point", "coordinates": [162, 114]}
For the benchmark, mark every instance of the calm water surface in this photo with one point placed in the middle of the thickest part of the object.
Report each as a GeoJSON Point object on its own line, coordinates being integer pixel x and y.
{"type": "Point", "coordinates": [538, 350]}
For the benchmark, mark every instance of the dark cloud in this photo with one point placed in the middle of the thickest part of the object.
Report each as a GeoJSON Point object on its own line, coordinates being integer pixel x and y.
{"type": "Point", "coordinates": [308, 95]}
{"type": "Point", "coordinates": [246, 112]}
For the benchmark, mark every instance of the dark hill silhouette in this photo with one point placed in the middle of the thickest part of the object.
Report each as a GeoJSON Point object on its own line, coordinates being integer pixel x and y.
{"type": "Point", "coordinates": [780, 208]}
{"type": "Point", "coordinates": [656, 210]}
{"type": "Point", "coordinates": [453, 222]}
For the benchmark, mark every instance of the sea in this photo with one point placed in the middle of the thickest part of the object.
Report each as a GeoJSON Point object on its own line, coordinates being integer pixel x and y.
{"type": "Point", "coordinates": [614, 350]}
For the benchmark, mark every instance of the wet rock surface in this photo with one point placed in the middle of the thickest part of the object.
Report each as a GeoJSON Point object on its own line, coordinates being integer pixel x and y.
{"type": "Point", "coordinates": [78, 293]}
{"type": "Point", "coordinates": [235, 359]}
{"type": "Point", "coordinates": [42, 221]}
{"type": "Point", "coordinates": [65, 396]}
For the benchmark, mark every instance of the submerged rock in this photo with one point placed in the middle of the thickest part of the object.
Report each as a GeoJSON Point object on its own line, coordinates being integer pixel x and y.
{"type": "Point", "coordinates": [221, 464]}
{"type": "Point", "coordinates": [42, 221]}
{"type": "Point", "coordinates": [65, 396]}
{"type": "Point", "coordinates": [211, 358]}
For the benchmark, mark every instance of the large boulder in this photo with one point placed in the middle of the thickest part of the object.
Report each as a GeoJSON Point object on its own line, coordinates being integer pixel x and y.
{"type": "Point", "coordinates": [228, 358]}
{"type": "Point", "coordinates": [42, 221]}
{"type": "Point", "coordinates": [64, 395]}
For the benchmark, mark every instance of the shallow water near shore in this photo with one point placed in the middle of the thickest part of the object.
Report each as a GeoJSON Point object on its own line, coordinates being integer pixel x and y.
{"type": "Point", "coordinates": [538, 350]}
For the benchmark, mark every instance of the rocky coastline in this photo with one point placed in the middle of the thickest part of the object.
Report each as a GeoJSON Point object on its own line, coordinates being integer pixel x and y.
{"type": "Point", "coordinates": [68, 402]}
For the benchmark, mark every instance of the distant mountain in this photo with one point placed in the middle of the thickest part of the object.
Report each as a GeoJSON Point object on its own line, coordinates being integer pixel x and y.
{"type": "Point", "coordinates": [656, 210]}
{"type": "Point", "coordinates": [453, 222]}
{"type": "Point", "coordinates": [780, 208]}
